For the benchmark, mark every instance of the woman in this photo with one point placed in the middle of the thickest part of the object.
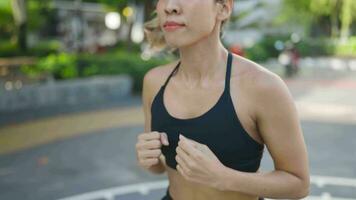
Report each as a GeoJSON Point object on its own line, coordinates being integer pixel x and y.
{"type": "Point", "coordinates": [209, 115]}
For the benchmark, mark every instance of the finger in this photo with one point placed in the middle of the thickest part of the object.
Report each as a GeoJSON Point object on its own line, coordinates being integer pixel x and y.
{"type": "Point", "coordinates": [194, 143]}
{"type": "Point", "coordinates": [181, 162]}
{"type": "Point", "coordinates": [164, 139]}
{"type": "Point", "coordinates": [199, 146]}
{"type": "Point", "coordinates": [150, 136]}
{"type": "Point", "coordinates": [150, 153]}
{"type": "Point", "coordinates": [182, 172]}
{"type": "Point", "coordinates": [188, 147]}
{"type": "Point", "coordinates": [152, 144]}
{"type": "Point", "coordinates": [184, 157]}
{"type": "Point", "coordinates": [149, 162]}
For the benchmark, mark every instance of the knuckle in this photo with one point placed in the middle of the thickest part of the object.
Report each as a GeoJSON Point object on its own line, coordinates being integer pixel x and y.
{"type": "Point", "coordinates": [158, 152]}
{"type": "Point", "coordinates": [190, 165]}
{"type": "Point", "coordinates": [156, 161]}
{"type": "Point", "coordinates": [156, 133]}
{"type": "Point", "coordinates": [188, 172]}
{"type": "Point", "coordinates": [157, 143]}
{"type": "Point", "coordinates": [196, 156]}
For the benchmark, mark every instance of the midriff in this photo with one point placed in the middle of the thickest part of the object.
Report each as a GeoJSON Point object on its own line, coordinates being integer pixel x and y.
{"type": "Point", "coordinates": [182, 189]}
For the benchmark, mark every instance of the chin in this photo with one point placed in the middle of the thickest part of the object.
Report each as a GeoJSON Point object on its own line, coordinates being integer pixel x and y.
{"type": "Point", "coordinates": [178, 42]}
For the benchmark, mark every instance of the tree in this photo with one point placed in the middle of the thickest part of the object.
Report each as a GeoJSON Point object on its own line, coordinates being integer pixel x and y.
{"type": "Point", "coordinates": [19, 9]}
{"type": "Point", "coordinates": [338, 14]}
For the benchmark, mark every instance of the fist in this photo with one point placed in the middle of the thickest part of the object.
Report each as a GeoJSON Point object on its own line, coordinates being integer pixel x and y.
{"type": "Point", "coordinates": [148, 148]}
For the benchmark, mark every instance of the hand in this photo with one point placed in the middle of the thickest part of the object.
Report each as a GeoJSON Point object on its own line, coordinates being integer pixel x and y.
{"type": "Point", "coordinates": [197, 163]}
{"type": "Point", "coordinates": [148, 148]}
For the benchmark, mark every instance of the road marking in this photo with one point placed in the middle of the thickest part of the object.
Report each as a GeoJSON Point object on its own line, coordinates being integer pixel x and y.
{"type": "Point", "coordinates": [26, 135]}
{"type": "Point", "coordinates": [109, 194]}
{"type": "Point", "coordinates": [321, 181]}
{"type": "Point", "coordinates": [326, 112]}
{"type": "Point", "coordinates": [145, 188]}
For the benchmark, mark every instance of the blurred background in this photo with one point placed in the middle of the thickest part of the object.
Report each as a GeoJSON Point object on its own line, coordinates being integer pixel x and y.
{"type": "Point", "coordinates": [71, 79]}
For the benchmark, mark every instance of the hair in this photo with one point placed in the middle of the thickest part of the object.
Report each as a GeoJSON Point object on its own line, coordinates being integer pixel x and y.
{"type": "Point", "coordinates": [155, 37]}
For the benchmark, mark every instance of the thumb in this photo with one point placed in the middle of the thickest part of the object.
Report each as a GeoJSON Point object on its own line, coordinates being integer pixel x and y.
{"type": "Point", "coordinates": [193, 142]}
{"type": "Point", "coordinates": [164, 139]}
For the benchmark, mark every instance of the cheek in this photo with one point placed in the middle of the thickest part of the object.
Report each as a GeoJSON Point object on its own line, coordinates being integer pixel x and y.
{"type": "Point", "coordinates": [202, 14]}
{"type": "Point", "coordinates": [159, 7]}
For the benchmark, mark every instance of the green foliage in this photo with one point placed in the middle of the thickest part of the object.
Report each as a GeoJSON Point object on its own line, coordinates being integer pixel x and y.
{"type": "Point", "coordinates": [39, 13]}
{"type": "Point", "coordinates": [8, 48]}
{"type": "Point", "coordinates": [61, 65]}
{"type": "Point", "coordinates": [6, 19]}
{"type": "Point", "coordinates": [66, 66]}
{"type": "Point", "coordinates": [120, 62]}
{"type": "Point", "coordinates": [43, 48]}
{"type": "Point", "coordinates": [264, 49]}
{"type": "Point", "coordinates": [322, 46]}
{"type": "Point", "coordinates": [346, 49]}
{"type": "Point", "coordinates": [312, 13]}
{"type": "Point", "coordinates": [327, 47]}
{"type": "Point", "coordinates": [316, 47]}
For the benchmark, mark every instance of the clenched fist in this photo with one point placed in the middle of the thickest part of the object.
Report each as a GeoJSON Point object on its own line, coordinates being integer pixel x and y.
{"type": "Point", "coordinates": [148, 148]}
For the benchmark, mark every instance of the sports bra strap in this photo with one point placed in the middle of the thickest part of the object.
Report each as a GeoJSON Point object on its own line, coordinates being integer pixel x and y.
{"type": "Point", "coordinates": [228, 72]}
{"type": "Point", "coordinates": [171, 74]}
{"type": "Point", "coordinates": [227, 76]}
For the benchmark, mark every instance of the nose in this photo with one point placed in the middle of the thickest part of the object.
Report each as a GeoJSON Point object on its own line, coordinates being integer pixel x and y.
{"type": "Point", "coordinates": [172, 7]}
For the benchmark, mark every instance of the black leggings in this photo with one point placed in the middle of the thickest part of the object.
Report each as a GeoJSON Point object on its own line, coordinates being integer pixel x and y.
{"type": "Point", "coordinates": [168, 196]}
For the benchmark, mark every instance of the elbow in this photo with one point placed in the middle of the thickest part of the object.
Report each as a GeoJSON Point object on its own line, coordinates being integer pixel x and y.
{"type": "Point", "coordinates": [304, 189]}
{"type": "Point", "coordinates": [305, 192]}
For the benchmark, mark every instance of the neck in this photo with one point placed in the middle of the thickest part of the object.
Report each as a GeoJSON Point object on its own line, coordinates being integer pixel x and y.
{"type": "Point", "coordinates": [203, 61]}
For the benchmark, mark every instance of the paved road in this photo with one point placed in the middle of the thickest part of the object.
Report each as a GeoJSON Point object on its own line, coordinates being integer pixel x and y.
{"type": "Point", "coordinates": [106, 159]}
{"type": "Point", "coordinates": [55, 156]}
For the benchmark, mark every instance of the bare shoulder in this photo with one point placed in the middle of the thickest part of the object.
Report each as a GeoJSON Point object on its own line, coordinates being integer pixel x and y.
{"type": "Point", "coordinates": [155, 78]}
{"type": "Point", "coordinates": [261, 82]}
{"type": "Point", "coordinates": [276, 120]}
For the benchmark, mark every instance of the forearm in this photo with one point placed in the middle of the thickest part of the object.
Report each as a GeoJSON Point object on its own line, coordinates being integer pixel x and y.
{"type": "Point", "coordinates": [275, 184]}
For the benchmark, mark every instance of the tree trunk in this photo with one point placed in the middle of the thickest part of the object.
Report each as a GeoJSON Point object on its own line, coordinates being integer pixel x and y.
{"type": "Point", "coordinates": [19, 9]}
{"type": "Point", "coordinates": [346, 19]}
{"type": "Point", "coordinates": [334, 19]}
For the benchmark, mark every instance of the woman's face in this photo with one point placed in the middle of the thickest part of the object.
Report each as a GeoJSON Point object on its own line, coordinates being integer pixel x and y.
{"type": "Point", "coordinates": [196, 19]}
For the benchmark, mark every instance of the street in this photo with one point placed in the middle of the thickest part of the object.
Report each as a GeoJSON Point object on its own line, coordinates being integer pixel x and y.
{"type": "Point", "coordinates": [55, 156]}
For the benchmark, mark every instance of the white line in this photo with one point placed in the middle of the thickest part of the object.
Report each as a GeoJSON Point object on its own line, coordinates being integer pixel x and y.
{"type": "Point", "coordinates": [141, 187]}
{"type": "Point", "coordinates": [321, 181]}
{"type": "Point", "coordinates": [144, 188]}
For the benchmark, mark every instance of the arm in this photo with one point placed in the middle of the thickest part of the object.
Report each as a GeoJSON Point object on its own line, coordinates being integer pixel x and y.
{"type": "Point", "coordinates": [278, 124]}
{"type": "Point", "coordinates": [147, 91]}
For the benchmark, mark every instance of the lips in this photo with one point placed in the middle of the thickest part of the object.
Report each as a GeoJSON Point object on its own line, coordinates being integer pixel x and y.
{"type": "Point", "coordinates": [172, 23]}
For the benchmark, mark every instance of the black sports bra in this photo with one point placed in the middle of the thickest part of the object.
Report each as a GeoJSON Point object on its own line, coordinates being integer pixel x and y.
{"type": "Point", "coordinates": [219, 128]}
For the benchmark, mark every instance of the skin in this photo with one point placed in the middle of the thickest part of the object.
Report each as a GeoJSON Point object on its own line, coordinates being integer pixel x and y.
{"type": "Point", "coordinates": [271, 120]}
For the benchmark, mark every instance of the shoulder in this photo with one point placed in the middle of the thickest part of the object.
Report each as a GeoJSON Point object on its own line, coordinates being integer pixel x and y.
{"type": "Point", "coordinates": [155, 78]}
{"type": "Point", "coordinates": [264, 87]}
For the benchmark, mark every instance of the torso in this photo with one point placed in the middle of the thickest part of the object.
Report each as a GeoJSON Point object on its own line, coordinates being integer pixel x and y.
{"type": "Point", "coordinates": [184, 103]}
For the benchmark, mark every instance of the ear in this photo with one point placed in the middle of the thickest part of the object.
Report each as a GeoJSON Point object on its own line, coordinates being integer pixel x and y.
{"type": "Point", "coordinates": [225, 9]}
